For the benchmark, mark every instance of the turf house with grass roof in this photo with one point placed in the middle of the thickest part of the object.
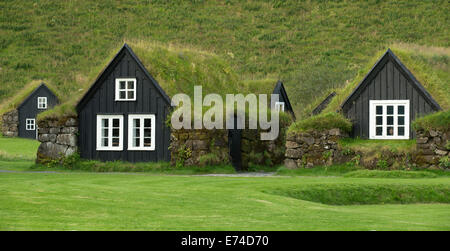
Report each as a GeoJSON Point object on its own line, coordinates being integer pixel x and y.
{"type": "Point", "coordinates": [387, 100]}
{"type": "Point", "coordinates": [122, 116]}
{"type": "Point", "coordinates": [21, 121]}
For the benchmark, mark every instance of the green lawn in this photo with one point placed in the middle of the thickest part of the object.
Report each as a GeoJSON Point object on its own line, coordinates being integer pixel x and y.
{"type": "Point", "coordinates": [18, 148]}
{"type": "Point", "coordinates": [92, 201]}
{"type": "Point", "coordinates": [331, 198]}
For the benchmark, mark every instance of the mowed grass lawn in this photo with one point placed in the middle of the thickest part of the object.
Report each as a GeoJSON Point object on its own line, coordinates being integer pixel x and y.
{"type": "Point", "coordinates": [119, 201]}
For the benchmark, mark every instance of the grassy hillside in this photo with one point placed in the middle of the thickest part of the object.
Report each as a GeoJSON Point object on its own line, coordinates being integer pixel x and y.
{"type": "Point", "coordinates": [312, 45]}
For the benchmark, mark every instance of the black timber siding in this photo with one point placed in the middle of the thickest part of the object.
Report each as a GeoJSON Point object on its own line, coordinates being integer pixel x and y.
{"type": "Point", "coordinates": [29, 109]}
{"type": "Point", "coordinates": [102, 102]}
{"type": "Point", "coordinates": [387, 81]}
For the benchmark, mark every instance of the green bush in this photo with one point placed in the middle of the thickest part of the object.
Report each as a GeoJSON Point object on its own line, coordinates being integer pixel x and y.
{"type": "Point", "coordinates": [322, 122]}
{"type": "Point", "coordinates": [436, 121]}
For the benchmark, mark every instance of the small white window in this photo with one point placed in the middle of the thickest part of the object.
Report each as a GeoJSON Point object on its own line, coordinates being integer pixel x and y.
{"type": "Point", "coordinates": [125, 89]}
{"type": "Point", "coordinates": [279, 106]}
{"type": "Point", "coordinates": [42, 102]}
{"type": "Point", "coordinates": [109, 132]}
{"type": "Point", "coordinates": [389, 119]}
{"type": "Point", "coordinates": [141, 132]}
{"type": "Point", "coordinates": [30, 124]}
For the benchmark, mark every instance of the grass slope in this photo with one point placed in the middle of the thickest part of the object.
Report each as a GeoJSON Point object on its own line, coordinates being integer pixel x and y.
{"type": "Point", "coordinates": [18, 148]}
{"type": "Point", "coordinates": [313, 45]}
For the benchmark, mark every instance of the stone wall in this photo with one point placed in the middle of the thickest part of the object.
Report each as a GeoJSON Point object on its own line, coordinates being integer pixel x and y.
{"type": "Point", "coordinates": [210, 147]}
{"type": "Point", "coordinates": [189, 146]}
{"type": "Point", "coordinates": [10, 123]}
{"type": "Point", "coordinates": [308, 149]}
{"type": "Point", "coordinates": [431, 147]}
{"type": "Point", "coordinates": [58, 138]}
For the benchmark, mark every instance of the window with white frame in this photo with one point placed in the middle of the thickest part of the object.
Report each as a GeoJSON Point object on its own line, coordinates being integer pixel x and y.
{"type": "Point", "coordinates": [389, 119]}
{"type": "Point", "coordinates": [30, 124]}
{"type": "Point", "coordinates": [141, 132]}
{"type": "Point", "coordinates": [279, 106]}
{"type": "Point", "coordinates": [110, 132]}
{"type": "Point", "coordinates": [42, 103]}
{"type": "Point", "coordinates": [125, 89]}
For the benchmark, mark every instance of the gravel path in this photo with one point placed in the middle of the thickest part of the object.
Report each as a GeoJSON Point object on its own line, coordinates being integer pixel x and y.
{"type": "Point", "coordinates": [252, 174]}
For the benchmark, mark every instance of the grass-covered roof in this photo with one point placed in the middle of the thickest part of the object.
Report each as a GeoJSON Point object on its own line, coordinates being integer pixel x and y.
{"type": "Point", "coordinates": [177, 70]}
{"type": "Point", "coordinates": [14, 101]}
{"type": "Point", "coordinates": [430, 66]}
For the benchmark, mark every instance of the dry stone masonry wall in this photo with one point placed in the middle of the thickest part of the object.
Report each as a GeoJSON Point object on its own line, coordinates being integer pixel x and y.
{"type": "Point", "coordinates": [432, 145]}
{"type": "Point", "coordinates": [58, 139]}
{"type": "Point", "coordinates": [309, 149]}
{"type": "Point", "coordinates": [10, 124]}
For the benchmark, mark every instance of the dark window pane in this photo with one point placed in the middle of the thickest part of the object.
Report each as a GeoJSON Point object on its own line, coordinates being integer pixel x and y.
{"type": "Point", "coordinates": [379, 109]}
{"type": "Point", "coordinates": [147, 123]}
{"type": "Point", "coordinates": [105, 142]}
{"type": "Point", "coordinates": [115, 142]}
{"type": "Point", "coordinates": [105, 122]}
{"type": "Point", "coordinates": [390, 120]}
{"type": "Point", "coordinates": [115, 122]}
{"type": "Point", "coordinates": [401, 131]}
{"type": "Point", "coordinates": [401, 109]}
{"type": "Point", "coordinates": [122, 85]}
{"type": "Point", "coordinates": [122, 94]}
{"type": "Point", "coordinates": [131, 95]}
{"type": "Point", "coordinates": [130, 85]}
{"type": "Point", "coordinates": [136, 142]}
{"type": "Point", "coordinates": [115, 133]}
{"type": "Point", "coordinates": [390, 131]}
{"type": "Point", "coordinates": [147, 133]}
{"type": "Point", "coordinates": [379, 131]}
{"type": "Point", "coordinates": [147, 142]}
{"type": "Point", "coordinates": [390, 109]}
{"type": "Point", "coordinates": [379, 120]}
{"type": "Point", "coordinates": [136, 132]}
{"type": "Point", "coordinates": [136, 123]}
{"type": "Point", "coordinates": [401, 120]}
{"type": "Point", "coordinates": [105, 133]}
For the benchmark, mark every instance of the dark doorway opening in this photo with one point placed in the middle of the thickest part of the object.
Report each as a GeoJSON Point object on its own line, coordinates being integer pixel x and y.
{"type": "Point", "coordinates": [234, 146]}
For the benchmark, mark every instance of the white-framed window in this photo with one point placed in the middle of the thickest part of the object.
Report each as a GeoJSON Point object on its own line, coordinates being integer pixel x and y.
{"type": "Point", "coordinates": [279, 106]}
{"type": "Point", "coordinates": [42, 103]}
{"type": "Point", "coordinates": [109, 132]}
{"type": "Point", "coordinates": [125, 89]}
{"type": "Point", "coordinates": [389, 119]}
{"type": "Point", "coordinates": [30, 124]}
{"type": "Point", "coordinates": [141, 132]}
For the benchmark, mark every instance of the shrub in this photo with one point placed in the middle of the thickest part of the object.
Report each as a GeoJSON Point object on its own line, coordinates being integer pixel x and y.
{"type": "Point", "coordinates": [436, 121]}
{"type": "Point", "coordinates": [322, 122]}
{"type": "Point", "coordinates": [444, 162]}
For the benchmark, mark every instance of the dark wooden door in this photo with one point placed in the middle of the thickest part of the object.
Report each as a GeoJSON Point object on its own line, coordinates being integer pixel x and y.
{"type": "Point", "coordinates": [234, 144]}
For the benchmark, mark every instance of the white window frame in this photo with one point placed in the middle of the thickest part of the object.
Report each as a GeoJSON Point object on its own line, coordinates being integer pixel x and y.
{"type": "Point", "coordinates": [110, 128]}
{"type": "Point", "coordinates": [141, 136]}
{"type": "Point", "coordinates": [42, 102]}
{"type": "Point", "coordinates": [32, 125]}
{"type": "Point", "coordinates": [384, 104]}
{"type": "Point", "coordinates": [118, 80]}
{"type": "Point", "coordinates": [280, 106]}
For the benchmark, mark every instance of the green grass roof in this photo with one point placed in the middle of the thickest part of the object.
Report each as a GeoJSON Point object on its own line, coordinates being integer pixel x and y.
{"type": "Point", "coordinates": [177, 70]}
{"type": "Point", "coordinates": [14, 101]}
{"type": "Point", "coordinates": [430, 66]}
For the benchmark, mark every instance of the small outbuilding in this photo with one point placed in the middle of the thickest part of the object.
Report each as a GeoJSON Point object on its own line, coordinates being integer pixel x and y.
{"type": "Point", "coordinates": [387, 100]}
{"type": "Point", "coordinates": [21, 121]}
{"type": "Point", "coordinates": [283, 99]}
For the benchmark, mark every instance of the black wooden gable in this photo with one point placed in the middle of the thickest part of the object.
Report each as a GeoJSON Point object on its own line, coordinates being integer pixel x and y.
{"type": "Point", "coordinates": [319, 108]}
{"type": "Point", "coordinates": [389, 56]}
{"type": "Point", "coordinates": [279, 89]}
{"type": "Point", "coordinates": [41, 87]}
{"type": "Point", "coordinates": [110, 67]}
